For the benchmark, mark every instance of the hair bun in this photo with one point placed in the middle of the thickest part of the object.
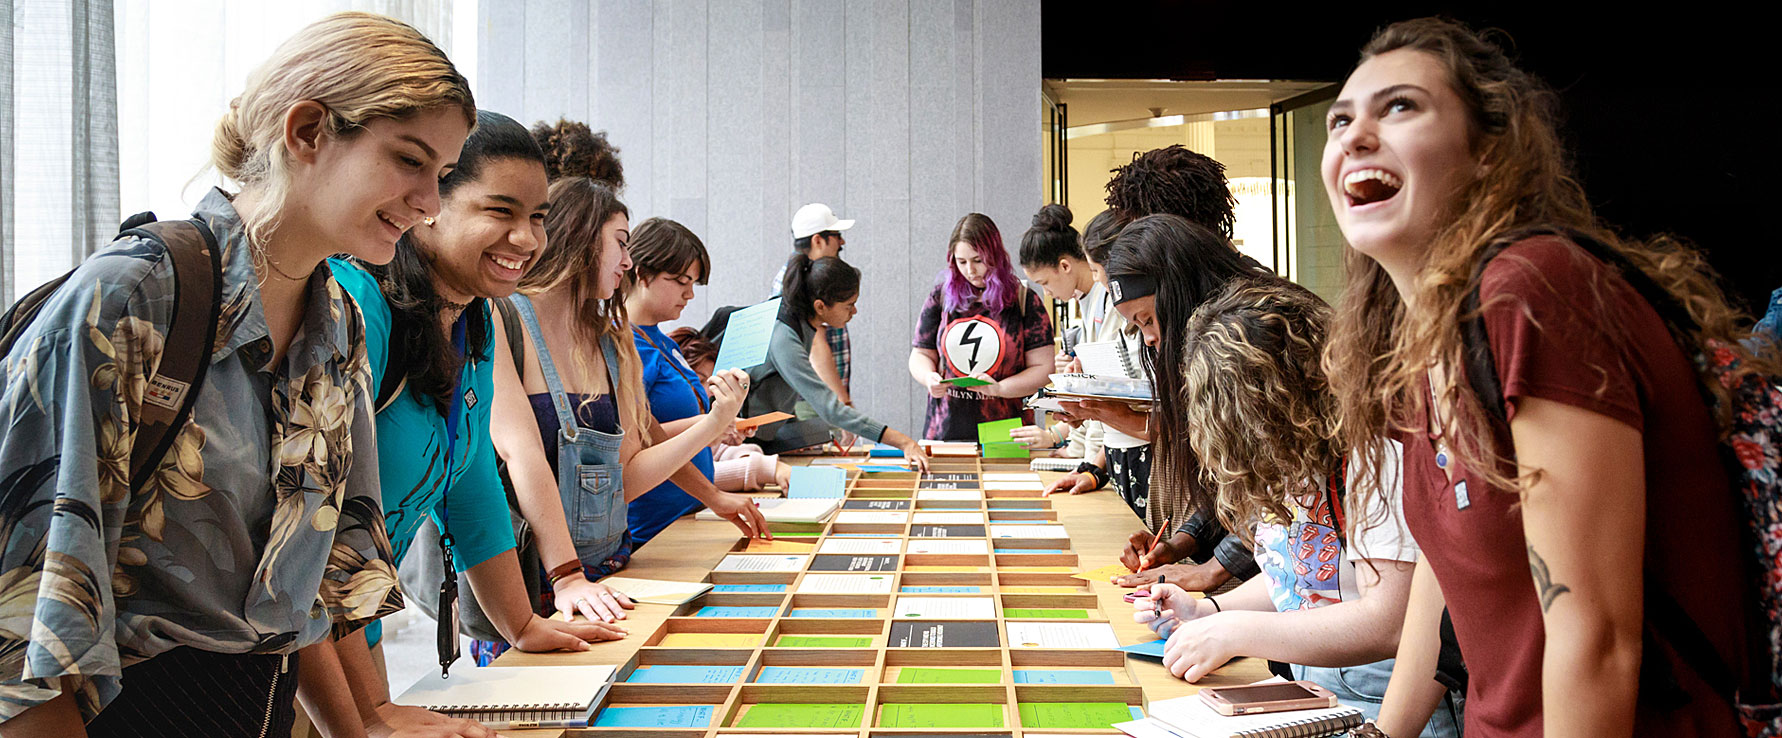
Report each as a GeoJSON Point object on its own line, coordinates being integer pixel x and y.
{"type": "Point", "coordinates": [572, 149]}
{"type": "Point", "coordinates": [1053, 217]}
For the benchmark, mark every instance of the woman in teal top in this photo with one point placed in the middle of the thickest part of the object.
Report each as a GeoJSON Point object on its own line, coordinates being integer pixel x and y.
{"type": "Point", "coordinates": [427, 316]}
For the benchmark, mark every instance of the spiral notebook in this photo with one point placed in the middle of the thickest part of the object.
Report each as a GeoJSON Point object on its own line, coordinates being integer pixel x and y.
{"type": "Point", "coordinates": [1108, 359]}
{"type": "Point", "coordinates": [1191, 716]}
{"type": "Point", "coordinates": [1054, 464]}
{"type": "Point", "coordinates": [494, 693]}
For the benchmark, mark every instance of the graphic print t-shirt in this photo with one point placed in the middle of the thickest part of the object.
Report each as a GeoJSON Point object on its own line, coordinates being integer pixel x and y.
{"type": "Point", "coordinates": [970, 341]}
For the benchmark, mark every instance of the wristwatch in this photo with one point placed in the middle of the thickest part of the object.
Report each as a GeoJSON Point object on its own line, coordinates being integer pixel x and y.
{"type": "Point", "coordinates": [1368, 730]}
{"type": "Point", "coordinates": [1100, 474]}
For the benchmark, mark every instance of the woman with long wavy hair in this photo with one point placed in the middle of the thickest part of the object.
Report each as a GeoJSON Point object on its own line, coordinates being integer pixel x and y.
{"type": "Point", "coordinates": [1553, 533]}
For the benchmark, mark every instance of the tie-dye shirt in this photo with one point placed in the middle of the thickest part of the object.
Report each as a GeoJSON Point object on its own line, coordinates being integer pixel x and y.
{"type": "Point", "coordinates": [257, 532]}
{"type": "Point", "coordinates": [972, 341]}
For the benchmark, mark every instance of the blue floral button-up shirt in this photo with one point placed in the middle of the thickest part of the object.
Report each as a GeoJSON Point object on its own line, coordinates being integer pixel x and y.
{"type": "Point", "coordinates": [258, 531]}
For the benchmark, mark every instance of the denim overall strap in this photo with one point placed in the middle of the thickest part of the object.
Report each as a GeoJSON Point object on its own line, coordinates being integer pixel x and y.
{"type": "Point", "coordinates": [553, 382]}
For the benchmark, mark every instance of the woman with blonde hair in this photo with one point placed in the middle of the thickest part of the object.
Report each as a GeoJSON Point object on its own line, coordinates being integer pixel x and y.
{"type": "Point", "coordinates": [1585, 489]}
{"type": "Point", "coordinates": [197, 603]}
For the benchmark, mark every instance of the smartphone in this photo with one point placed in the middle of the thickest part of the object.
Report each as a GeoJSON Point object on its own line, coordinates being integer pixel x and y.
{"type": "Point", "coordinates": [1250, 699]}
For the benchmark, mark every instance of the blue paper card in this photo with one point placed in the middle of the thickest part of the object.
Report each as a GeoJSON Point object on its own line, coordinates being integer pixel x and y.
{"type": "Point", "coordinates": [1152, 649]}
{"type": "Point", "coordinates": [746, 336]}
{"type": "Point", "coordinates": [680, 674]}
{"type": "Point", "coordinates": [820, 613]}
{"type": "Point", "coordinates": [713, 611]}
{"type": "Point", "coordinates": [748, 588]}
{"type": "Point", "coordinates": [940, 590]}
{"type": "Point", "coordinates": [883, 469]}
{"type": "Point", "coordinates": [888, 452]}
{"type": "Point", "coordinates": [1062, 676]}
{"type": "Point", "coordinates": [678, 716]}
{"type": "Point", "coordinates": [809, 675]}
{"type": "Point", "coordinates": [817, 481]}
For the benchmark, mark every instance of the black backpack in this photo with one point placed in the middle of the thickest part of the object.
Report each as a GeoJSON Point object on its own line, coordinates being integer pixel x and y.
{"type": "Point", "coordinates": [191, 332]}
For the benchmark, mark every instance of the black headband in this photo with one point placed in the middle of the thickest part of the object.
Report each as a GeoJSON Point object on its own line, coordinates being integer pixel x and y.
{"type": "Point", "coordinates": [1129, 287]}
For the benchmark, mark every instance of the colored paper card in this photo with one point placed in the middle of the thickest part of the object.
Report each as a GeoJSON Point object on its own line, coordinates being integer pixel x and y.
{"type": "Point", "coordinates": [1081, 715]}
{"type": "Point", "coordinates": [850, 562]}
{"type": "Point", "coordinates": [872, 517]}
{"type": "Point", "coordinates": [1028, 531]}
{"type": "Point", "coordinates": [1049, 613]}
{"type": "Point", "coordinates": [947, 517]}
{"type": "Point", "coordinates": [950, 476]}
{"type": "Point", "coordinates": [883, 469]}
{"type": "Point", "coordinates": [671, 716]}
{"type": "Point", "coordinates": [1151, 649]}
{"type": "Point", "coordinates": [657, 591]}
{"type": "Point", "coordinates": [946, 531]}
{"type": "Point", "coordinates": [860, 546]}
{"type": "Point", "coordinates": [758, 546]}
{"type": "Point", "coordinates": [745, 424]}
{"type": "Point", "coordinates": [1040, 590]}
{"type": "Point", "coordinates": [928, 675]}
{"type": "Point", "coordinates": [889, 452]}
{"type": "Point", "coordinates": [746, 335]}
{"type": "Point", "coordinates": [943, 634]}
{"type": "Point", "coordinates": [1015, 486]}
{"type": "Point", "coordinates": [949, 546]}
{"type": "Point", "coordinates": [846, 583]}
{"type": "Point", "coordinates": [963, 608]}
{"type": "Point", "coordinates": [942, 590]}
{"type": "Point", "coordinates": [1062, 635]}
{"type": "Point", "coordinates": [949, 495]}
{"type": "Point", "coordinates": [1063, 676]}
{"type": "Point", "coordinates": [799, 715]}
{"type": "Point", "coordinates": [710, 640]}
{"type": "Point", "coordinates": [1005, 450]}
{"type": "Point", "coordinates": [817, 481]}
{"type": "Point", "coordinates": [762, 562]}
{"type": "Point", "coordinates": [711, 611]}
{"type": "Point", "coordinates": [876, 505]}
{"type": "Point", "coordinates": [997, 431]}
{"type": "Point", "coordinates": [944, 484]}
{"type": "Point", "coordinates": [967, 382]}
{"type": "Point", "coordinates": [941, 715]}
{"type": "Point", "coordinates": [1010, 477]}
{"type": "Point", "coordinates": [1104, 573]}
{"type": "Point", "coordinates": [803, 641]}
{"type": "Point", "coordinates": [685, 674]}
{"type": "Point", "coordinates": [748, 588]}
{"type": "Point", "coordinates": [817, 612]}
{"type": "Point", "coordinates": [809, 675]}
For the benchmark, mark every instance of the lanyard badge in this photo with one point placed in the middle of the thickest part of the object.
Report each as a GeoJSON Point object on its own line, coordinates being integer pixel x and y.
{"type": "Point", "coordinates": [448, 588]}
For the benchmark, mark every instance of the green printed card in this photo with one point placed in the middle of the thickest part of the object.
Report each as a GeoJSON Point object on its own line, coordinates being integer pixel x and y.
{"type": "Point", "coordinates": [792, 641]}
{"type": "Point", "coordinates": [1076, 715]}
{"type": "Point", "coordinates": [796, 715]}
{"type": "Point", "coordinates": [1037, 612]}
{"type": "Point", "coordinates": [941, 715]}
{"type": "Point", "coordinates": [997, 431]}
{"type": "Point", "coordinates": [966, 382]}
{"type": "Point", "coordinates": [926, 675]}
{"type": "Point", "coordinates": [1005, 450]}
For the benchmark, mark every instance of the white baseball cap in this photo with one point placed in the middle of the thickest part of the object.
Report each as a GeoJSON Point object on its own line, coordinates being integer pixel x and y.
{"type": "Point", "coordinates": [816, 218]}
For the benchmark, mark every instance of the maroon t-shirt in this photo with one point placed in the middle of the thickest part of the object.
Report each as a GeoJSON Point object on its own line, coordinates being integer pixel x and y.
{"type": "Point", "coordinates": [1554, 340]}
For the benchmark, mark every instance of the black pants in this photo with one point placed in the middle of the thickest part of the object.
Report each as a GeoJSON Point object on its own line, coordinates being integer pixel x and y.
{"type": "Point", "coordinates": [187, 692]}
{"type": "Point", "coordinates": [1130, 472]}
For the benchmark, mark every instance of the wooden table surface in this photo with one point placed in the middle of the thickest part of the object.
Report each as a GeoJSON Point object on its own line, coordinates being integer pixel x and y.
{"type": "Point", "coordinates": [1098, 523]}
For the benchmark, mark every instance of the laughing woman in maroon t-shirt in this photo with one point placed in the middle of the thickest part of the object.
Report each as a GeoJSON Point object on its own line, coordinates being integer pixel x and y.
{"type": "Point", "coordinates": [1547, 533]}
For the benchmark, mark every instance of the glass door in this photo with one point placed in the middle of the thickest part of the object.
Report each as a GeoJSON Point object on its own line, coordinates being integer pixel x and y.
{"type": "Point", "coordinates": [1307, 247]}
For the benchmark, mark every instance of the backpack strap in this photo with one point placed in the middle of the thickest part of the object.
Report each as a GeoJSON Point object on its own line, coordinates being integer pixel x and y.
{"type": "Point", "coordinates": [516, 338]}
{"type": "Point", "coordinates": [191, 335]}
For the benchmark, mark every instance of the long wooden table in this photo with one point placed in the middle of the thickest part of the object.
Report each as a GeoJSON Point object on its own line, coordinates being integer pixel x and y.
{"type": "Point", "coordinates": [1098, 524]}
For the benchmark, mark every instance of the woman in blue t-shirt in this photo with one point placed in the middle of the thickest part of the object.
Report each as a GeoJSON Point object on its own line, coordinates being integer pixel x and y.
{"type": "Point", "coordinates": [428, 319]}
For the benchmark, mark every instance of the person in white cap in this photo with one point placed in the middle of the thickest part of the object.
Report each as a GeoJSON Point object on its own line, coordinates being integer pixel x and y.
{"type": "Point", "coordinates": [817, 233]}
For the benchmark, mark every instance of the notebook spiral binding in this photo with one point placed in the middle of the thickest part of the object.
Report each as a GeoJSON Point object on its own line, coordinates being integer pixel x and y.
{"type": "Point", "coordinates": [1308, 728]}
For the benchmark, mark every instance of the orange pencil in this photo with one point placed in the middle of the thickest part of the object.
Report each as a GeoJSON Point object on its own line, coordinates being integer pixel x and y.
{"type": "Point", "coordinates": [1157, 539]}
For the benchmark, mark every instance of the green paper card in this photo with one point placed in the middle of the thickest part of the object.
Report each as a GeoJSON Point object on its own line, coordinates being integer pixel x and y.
{"type": "Point", "coordinates": [941, 715]}
{"type": "Point", "coordinates": [1074, 715]}
{"type": "Point", "coordinates": [1005, 450]}
{"type": "Point", "coordinates": [1034, 612]}
{"type": "Point", "coordinates": [997, 431]}
{"type": "Point", "coordinates": [966, 382]}
{"type": "Point", "coordinates": [793, 715]}
{"type": "Point", "coordinates": [790, 641]}
{"type": "Point", "coordinates": [921, 675]}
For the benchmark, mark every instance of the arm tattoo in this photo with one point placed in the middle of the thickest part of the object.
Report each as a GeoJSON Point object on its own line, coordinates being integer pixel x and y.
{"type": "Point", "coordinates": [1544, 580]}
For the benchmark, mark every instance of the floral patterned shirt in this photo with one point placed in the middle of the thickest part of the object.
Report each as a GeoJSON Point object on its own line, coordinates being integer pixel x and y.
{"type": "Point", "coordinates": [257, 532]}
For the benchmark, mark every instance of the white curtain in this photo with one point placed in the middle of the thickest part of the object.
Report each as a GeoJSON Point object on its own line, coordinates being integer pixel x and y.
{"type": "Point", "coordinates": [181, 61]}
{"type": "Point", "coordinates": [58, 138]}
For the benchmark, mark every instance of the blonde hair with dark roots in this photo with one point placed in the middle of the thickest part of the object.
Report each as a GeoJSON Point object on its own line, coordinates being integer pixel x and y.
{"type": "Point", "coordinates": [1379, 352]}
{"type": "Point", "coordinates": [360, 66]}
{"type": "Point", "coordinates": [1255, 394]}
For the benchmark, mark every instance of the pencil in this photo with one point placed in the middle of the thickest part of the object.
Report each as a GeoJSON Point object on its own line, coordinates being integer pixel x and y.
{"type": "Point", "coordinates": [1158, 539]}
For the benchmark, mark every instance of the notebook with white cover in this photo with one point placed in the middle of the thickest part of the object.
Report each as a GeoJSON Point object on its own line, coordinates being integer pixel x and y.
{"type": "Point", "coordinates": [1193, 717]}
{"type": "Point", "coordinates": [1106, 358]}
{"type": "Point", "coordinates": [494, 693]}
{"type": "Point", "coordinates": [783, 510]}
{"type": "Point", "coordinates": [1053, 464]}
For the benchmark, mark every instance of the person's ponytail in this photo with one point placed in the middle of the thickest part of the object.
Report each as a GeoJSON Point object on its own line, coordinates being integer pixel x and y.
{"type": "Point", "coordinates": [828, 279]}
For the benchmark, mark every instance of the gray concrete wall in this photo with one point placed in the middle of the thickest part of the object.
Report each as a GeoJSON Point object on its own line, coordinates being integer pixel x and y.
{"type": "Point", "coordinates": [730, 114]}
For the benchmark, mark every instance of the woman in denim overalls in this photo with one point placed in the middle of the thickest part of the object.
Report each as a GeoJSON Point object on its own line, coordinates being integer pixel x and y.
{"type": "Point", "coordinates": [566, 398]}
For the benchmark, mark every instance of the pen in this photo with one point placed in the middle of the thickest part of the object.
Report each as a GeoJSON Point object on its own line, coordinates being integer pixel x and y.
{"type": "Point", "coordinates": [523, 724]}
{"type": "Point", "coordinates": [1158, 539]}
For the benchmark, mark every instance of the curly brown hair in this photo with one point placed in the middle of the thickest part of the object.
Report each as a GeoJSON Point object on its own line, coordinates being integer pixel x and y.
{"type": "Point", "coordinates": [574, 150]}
{"type": "Point", "coordinates": [1379, 352]}
{"type": "Point", "coordinates": [1176, 181]}
{"type": "Point", "coordinates": [1255, 393]}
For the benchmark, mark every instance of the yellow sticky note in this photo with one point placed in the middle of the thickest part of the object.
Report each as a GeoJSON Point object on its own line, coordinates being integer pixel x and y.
{"type": "Point", "coordinates": [1041, 590]}
{"type": "Point", "coordinates": [710, 640]}
{"type": "Point", "coordinates": [950, 569]}
{"type": "Point", "coordinates": [778, 545]}
{"type": "Point", "coordinates": [1040, 569]}
{"type": "Point", "coordinates": [1104, 573]}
